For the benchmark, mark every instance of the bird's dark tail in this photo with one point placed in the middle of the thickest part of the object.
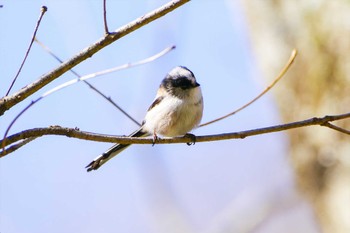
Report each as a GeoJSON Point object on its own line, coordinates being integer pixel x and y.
{"type": "Point", "coordinates": [111, 152]}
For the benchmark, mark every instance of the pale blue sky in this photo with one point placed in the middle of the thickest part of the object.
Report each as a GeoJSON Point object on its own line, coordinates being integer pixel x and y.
{"type": "Point", "coordinates": [209, 187]}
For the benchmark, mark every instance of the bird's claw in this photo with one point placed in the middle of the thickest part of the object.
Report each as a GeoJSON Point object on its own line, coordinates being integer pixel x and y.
{"type": "Point", "coordinates": [192, 137]}
{"type": "Point", "coordinates": [155, 139]}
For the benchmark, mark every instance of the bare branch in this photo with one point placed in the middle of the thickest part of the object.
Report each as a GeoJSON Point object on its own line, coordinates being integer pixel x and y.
{"type": "Point", "coordinates": [43, 10]}
{"type": "Point", "coordinates": [105, 17]}
{"type": "Point", "coordinates": [76, 133]}
{"type": "Point", "coordinates": [16, 146]}
{"type": "Point", "coordinates": [9, 101]}
{"type": "Point", "coordinates": [89, 84]}
{"type": "Point", "coordinates": [329, 125]}
{"type": "Point", "coordinates": [71, 82]}
{"type": "Point", "coordinates": [280, 75]}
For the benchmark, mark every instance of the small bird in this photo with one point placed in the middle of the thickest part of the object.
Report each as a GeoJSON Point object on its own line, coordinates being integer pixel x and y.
{"type": "Point", "coordinates": [176, 110]}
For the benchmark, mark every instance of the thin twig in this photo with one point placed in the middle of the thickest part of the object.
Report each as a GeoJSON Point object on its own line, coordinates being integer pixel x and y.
{"type": "Point", "coordinates": [105, 17]}
{"type": "Point", "coordinates": [89, 84]}
{"type": "Point", "coordinates": [114, 69]}
{"type": "Point", "coordinates": [9, 101]}
{"type": "Point", "coordinates": [71, 82]}
{"type": "Point", "coordinates": [76, 133]}
{"type": "Point", "coordinates": [43, 10]}
{"type": "Point", "coordinates": [329, 125]}
{"type": "Point", "coordinates": [280, 75]}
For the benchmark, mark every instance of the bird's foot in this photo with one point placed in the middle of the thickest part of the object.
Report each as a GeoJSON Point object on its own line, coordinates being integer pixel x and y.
{"type": "Point", "coordinates": [155, 138]}
{"type": "Point", "coordinates": [192, 137]}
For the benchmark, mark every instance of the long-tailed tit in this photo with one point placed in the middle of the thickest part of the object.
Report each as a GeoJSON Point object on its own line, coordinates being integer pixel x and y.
{"type": "Point", "coordinates": [176, 110]}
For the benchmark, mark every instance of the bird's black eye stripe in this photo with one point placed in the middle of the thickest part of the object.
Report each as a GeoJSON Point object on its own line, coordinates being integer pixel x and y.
{"type": "Point", "coordinates": [181, 82]}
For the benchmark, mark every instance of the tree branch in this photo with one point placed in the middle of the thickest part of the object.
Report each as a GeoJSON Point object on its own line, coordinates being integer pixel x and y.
{"type": "Point", "coordinates": [329, 125]}
{"type": "Point", "coordinates": [84, 78]}
{"type": "Point", "coordinates": [9, 101]}
{"type": "Point", "coordinates": [43, 10]}
{"type": "Point", "coordinates": [16, 146]}
{"type": "Point", "coordinates": [276, 80]}
{"type": "Point", "coordinates": [109, 99]}
{"type": "Point", "coordinates": [125, 66]}
{"type": "Point", "coordinates": [76, 133]}
{"type": "Point", "coordinates": [105, 17]}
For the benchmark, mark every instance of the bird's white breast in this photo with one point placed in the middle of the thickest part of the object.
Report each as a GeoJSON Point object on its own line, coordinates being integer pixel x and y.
{"type": "Point", "coordinates": [175, 116]}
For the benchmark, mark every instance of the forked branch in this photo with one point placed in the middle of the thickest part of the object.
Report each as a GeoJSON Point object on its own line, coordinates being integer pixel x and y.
{"type": "Point", "coordinates": [9, 101]}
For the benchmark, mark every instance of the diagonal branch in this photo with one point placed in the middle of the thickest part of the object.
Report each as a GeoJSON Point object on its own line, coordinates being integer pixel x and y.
{"type": "Point", "coordinates": [76, 133]}
{"type": "Point", "coordinates": [276, 80]}
{"type": "Point", "coordinates": [125, 66]}
{"type": "Point", "coordinates": [109, 99]}
{"type": "Point", "coordinates": [43, 10]}
{"type": "Point", "coordinates": [7, 102]}
{"type": "Point", "coordinates": [84, 78]}
{"type": "Point", "coordinates": [329, 125]}
{"type": "Point", "coordinates": [17, 146]}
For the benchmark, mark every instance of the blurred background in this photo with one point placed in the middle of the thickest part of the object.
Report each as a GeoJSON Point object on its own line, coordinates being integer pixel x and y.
{"type": "Point", "coordinates": [296, 181]}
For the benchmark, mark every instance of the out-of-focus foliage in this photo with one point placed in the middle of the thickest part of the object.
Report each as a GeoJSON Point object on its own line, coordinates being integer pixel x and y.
{"type": "Point", "coordinates": [318, 84]}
